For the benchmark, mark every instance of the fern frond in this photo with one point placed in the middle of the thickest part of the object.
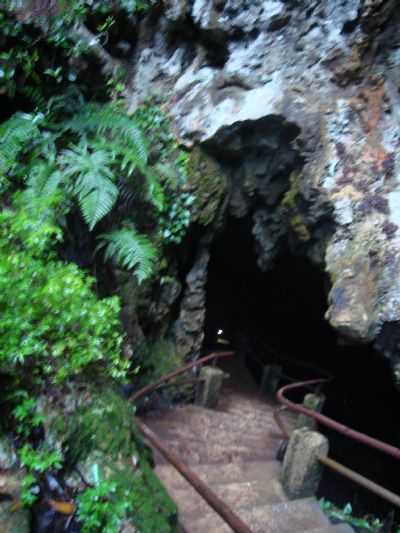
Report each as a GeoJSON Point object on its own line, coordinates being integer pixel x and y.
{"type": "Point", "coordinates": [92, 181]}
{"type": "Point", "coordinates": [130, 250]}
{"type": "Point", "coordinates": [155, 193]}
{"type": "Point", "coordinates": [108, 118]}
{"type": "Point", "coordinates": [15, 134]}
{"type": "Point", "coordinates": [44, 179]}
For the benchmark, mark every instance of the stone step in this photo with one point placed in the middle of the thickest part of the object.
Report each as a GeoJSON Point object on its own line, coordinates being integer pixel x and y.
{"type": "Point", "coordinates": [289, 517]}
{"type": "Point", "coordinates": [247, 494]}
{"type": "Point", "coordinates": [195, 424]}
{"type": "Point", "coordinates": [197, 452]}
{"type": "Point", "coordinates": [261, 412]}
{"type": "Point", "coordinates": [205, 418]}
{"type": "Point", "coordinates": [340, 528]}
{"type": "Point", "coordinates": [264, 471]}
{"type": "Point", "coordinates": [252, 437]}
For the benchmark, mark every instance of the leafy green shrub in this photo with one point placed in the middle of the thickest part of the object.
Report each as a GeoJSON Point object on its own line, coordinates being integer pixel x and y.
{"type": "Point", "coordinates": [52, 326]}
{"type": "Point", "coordinates": [117, 465]}
{"type": "Point", "coordinates": [36, 461]}
{"type": "Point", "coordinates": [172, 162]}
{"type": "Point", "coordinates": [37, 41]}
{"type": "Point", "coordinates": [100, 510]}
{"type": "Point", "coordinates": [140, 497]}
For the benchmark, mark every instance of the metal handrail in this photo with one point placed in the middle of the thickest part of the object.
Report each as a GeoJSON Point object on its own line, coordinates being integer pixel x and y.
{"type": "Point", "coordinates": [154, 386]}
{"type": "Point", "coordinates": [361, 480]}
{"type": "Point", "coordinates": [341, 428]}
{"type": "Point", "coordinates": [215, 502]}
{"type": "Point", "coordinates": [219, 506]}
{"type": "Point", "coordinates": [333, 424]}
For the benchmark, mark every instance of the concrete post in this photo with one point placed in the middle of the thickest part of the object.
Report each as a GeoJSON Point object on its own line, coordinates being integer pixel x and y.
{"type": "Point", "coordinates": [301, 472]}
{"type": "Point", "coordinates": [314, 402]}
{"type": "Point", "coordinates": [270, 379]}
{"type": "Point", "coordinates": [208, 389]}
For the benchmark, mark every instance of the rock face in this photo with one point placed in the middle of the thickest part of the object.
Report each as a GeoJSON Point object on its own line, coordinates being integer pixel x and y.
{"type": "Point", "coordinates": [190, 324]}
{"type": "Point", "coordinates": [300, 102]}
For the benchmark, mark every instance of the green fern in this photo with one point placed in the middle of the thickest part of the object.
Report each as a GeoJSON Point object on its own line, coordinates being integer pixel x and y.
{"type": "Point", "coordinates": [15, 134]}
{"type": "Point", "coordinates": [98, 158]}
{"type": "Point", "coordinates": [130, 250]}
{"type": "Point", "coordinates": [92, 178]}
{"type": "Point", "coordinates": [112, 121]}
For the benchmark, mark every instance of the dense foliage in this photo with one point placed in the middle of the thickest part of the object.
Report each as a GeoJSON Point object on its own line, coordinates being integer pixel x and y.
{"type": "Point", "coordinates": [56, 327]}
{"type": "Point", "coordinates": [72, 157]}
{"type": "Point", "coordinates": [94, 156]}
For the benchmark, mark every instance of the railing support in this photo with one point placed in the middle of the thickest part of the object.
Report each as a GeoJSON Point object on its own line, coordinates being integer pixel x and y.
{"type": "Point", "coordinates": [337, 426]}
{"type": "Point", "coordinates": [315, 403]}
{"type": "Point", "coordinates": [207, 393]}
{"type": "Point", "coordinates": [154, 386]}
{"type": "Point", "coordinates": [270, 379]}
{"type": "Point", "coordinates": [302, 470]}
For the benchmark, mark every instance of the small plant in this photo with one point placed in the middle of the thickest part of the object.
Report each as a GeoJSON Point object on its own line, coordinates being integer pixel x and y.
{"type": "Point", "coordinates": [172, 164]}
{"type": "Point", "coordinates": [99, 509]}
{"type": "Point", "coordinates": [36, 461]}
{"type": "Point", "coordinates": [346, 515]}
{"type": "Point", "coordinates": [25, 414]}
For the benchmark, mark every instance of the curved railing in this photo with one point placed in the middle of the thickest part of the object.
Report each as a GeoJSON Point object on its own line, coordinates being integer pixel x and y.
{"type": "Point", "coordinates": [345, 430]}
{"type": "Point", "coordinates": [333, 424]}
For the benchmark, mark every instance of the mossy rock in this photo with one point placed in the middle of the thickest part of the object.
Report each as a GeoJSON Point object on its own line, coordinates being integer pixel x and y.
{"type": "Point", "coordinates": [208, 183]}
{"type": "Point", "coordinates": [290, 198]}
{"type": "Point", "coordinates": [14, 520]}
{"type": "Point", "coordinates": [100, 439]}
{"type": "Point", "coordinates": [300, 229]}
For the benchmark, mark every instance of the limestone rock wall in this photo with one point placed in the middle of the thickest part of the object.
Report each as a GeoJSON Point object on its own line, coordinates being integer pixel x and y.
{"type": "Point", "coordinates": [299, 100]}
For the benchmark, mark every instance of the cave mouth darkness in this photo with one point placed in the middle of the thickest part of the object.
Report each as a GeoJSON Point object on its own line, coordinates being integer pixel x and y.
{"type": "Point", "coordinates": [284, 309]}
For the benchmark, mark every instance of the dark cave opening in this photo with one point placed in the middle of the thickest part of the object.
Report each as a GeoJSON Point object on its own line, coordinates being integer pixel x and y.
{"type": "Point", "coordinates": [284, 308]}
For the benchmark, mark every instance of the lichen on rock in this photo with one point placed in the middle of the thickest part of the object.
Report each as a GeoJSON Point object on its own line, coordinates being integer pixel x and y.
{"type": "Point", "coordinates": [208, 185]}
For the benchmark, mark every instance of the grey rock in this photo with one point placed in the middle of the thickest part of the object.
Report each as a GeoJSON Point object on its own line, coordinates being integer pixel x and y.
{"type": "Point", "coordinates": [8, 458]}
{"type": "Point", "coordinates": [189, 328]}
{"type": "Point", "coordinates": [333, 111]}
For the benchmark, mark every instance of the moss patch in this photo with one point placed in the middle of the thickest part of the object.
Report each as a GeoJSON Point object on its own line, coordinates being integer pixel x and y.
{"type": "Point", "coordinates": [299, 227]}
{"type": "Point", "coordinates": [289, 200]}
{"type": "Point", "coordinates": [289, 203]}
{"type": "Point", "coordinates": [97, 432]}
{"type": "Point", "coordinates": [208, 184]}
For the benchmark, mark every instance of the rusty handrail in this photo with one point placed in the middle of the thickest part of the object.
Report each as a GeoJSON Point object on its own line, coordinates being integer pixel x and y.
{"type": "Point", "coordinates": [215, 502]}
{"type": "Point", "coordinates": [333, 424]}
{"type": "Point", "coordinates": [361, 480]}
{"type": "Point", "coordinates": [219, 506]}
{"type": "Point", "coordinates": [153, 386]}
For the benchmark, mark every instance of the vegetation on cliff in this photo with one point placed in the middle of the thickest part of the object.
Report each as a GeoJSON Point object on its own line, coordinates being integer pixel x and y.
{"type": "Point", "coordinates": [76, 168]}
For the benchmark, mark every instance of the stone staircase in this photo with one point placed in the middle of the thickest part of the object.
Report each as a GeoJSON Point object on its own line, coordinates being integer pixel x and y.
{"type": "Point", "coordinates": [233, 449]}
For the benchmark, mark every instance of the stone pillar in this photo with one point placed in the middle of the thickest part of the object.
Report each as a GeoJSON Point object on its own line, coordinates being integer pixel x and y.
{"type": "Point", "coordinates": [314, 402]}
{"type": "Point", "coordinates": [301, 472]}
{"type": "Point", "coordinates": [208, 389]}
{"type": "Point", "coordinates": [270, 379]}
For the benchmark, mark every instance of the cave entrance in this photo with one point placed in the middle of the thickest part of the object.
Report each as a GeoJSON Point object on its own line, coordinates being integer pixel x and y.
{"type": "Point", "coordinates": [284, 308]}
